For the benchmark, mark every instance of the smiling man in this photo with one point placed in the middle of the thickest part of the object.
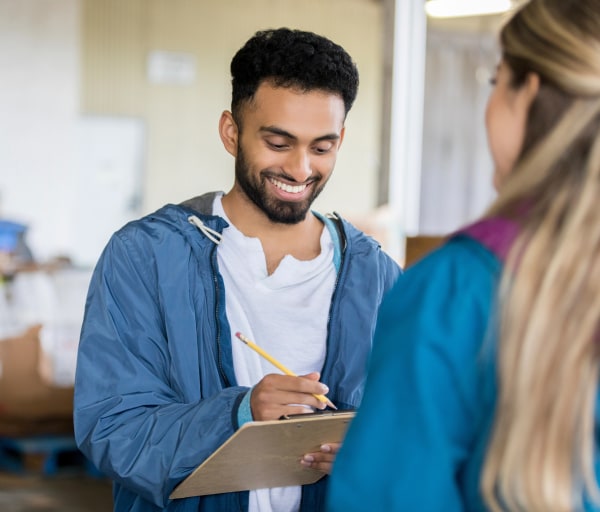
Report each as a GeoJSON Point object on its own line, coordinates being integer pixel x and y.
{"type": "Point", "coordinates": [161, 379]}
{"type": "Point", "coordinates": [297, 166]}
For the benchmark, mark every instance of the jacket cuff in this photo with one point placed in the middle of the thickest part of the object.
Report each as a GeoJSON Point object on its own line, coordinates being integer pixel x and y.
{"type": "Point", "coordinates": [244, 412]}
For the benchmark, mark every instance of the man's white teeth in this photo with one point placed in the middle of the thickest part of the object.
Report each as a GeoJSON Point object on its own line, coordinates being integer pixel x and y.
{"type": "Point", "coordinates": [288, 188]}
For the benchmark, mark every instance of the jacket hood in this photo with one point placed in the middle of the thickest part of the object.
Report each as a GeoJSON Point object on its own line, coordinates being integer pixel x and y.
{"type": "Point", "coordinates": [192, 216]}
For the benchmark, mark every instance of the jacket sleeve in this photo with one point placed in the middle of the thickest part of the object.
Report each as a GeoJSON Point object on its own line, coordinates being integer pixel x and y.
{"type": "Point", "coordinates": [415, 427]}
{"type": "Point", "coordinates": [391, 272]}
{"type": "Point", "coordinates": [136, 417]}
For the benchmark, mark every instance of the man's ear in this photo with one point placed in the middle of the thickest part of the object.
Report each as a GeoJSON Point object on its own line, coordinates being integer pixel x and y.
{"type": "Point", "coordinates": [342, 133]}
{"type": "Point", "coordinates": [229, 133]}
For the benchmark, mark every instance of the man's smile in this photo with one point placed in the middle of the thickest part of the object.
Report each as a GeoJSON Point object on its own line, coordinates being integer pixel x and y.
{"type": "Point", "coordinates": [292, 189]}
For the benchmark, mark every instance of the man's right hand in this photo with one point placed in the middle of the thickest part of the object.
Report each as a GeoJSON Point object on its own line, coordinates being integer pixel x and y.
{"type": "Point", "coordinates": [277, 395]}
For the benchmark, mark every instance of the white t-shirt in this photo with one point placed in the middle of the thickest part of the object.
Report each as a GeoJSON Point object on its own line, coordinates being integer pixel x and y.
{"type": "Point", "coordinates": [285, 313]}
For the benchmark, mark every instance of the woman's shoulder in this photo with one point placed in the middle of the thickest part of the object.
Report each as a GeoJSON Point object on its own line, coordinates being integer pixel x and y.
{"type": "Point", "coordinates": [459, 255]}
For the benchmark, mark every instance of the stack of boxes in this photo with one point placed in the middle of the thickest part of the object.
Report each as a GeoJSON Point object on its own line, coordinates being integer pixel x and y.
{"type": "Point", "coordinates": [41, 310]}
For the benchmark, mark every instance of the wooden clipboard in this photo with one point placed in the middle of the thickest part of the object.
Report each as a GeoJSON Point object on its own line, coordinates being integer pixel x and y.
{"type": "Point", "coordinates": [263, 454]}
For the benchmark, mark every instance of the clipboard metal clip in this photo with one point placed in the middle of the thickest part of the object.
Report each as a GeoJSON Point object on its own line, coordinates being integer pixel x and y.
{"type": "Point", "coordinates": [325, 412]}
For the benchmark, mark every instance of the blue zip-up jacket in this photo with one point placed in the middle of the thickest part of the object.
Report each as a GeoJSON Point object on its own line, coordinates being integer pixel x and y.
{"type": "Point", "coordinates": [155, 388]}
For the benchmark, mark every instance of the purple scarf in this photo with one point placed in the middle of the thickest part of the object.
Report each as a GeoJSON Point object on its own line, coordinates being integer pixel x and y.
{"type": "Point", "coordinates": [496, 234]}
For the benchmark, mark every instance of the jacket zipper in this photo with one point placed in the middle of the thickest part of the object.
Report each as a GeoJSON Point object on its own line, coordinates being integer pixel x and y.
{"type": "Point", "coordinates": [343, 242]}
{"type": "Point", "coordinates": [217, 321]}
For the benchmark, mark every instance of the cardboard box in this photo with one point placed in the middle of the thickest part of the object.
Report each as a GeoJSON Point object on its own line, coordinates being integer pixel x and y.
{"type": "Point", "coordinates": [28, 403]}
{"type": "Point", "coordinates": [419, 246]}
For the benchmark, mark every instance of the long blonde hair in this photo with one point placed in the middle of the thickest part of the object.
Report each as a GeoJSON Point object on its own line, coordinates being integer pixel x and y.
{"type": "Point", "coordinates": [541, 454]}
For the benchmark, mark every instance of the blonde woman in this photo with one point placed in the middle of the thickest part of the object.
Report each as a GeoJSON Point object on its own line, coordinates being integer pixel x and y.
{"type": "Point", "coordinates": [482, 392]}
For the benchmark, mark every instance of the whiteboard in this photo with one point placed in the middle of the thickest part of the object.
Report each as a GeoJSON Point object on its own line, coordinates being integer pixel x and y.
{"type": "Point", "coordinates": [110, 169]}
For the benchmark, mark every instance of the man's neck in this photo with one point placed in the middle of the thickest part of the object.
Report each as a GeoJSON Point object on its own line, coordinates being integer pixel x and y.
{"type": "Point", "coordinates": [301, 240]}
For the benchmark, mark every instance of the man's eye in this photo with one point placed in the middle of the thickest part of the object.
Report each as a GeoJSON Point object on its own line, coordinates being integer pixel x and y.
{"type": "Point", "coordinates": [277, 147]}
{"type": "Point", "coordinates": [321, 150]}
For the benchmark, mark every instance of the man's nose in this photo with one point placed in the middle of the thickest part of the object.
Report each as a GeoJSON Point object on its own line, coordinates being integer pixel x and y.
{"type": "Point", "coordinates": [299, 166]}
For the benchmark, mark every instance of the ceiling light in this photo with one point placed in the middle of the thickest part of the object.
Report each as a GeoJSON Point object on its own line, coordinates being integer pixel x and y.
{"type": "Point", "coordinates": [457, 8]}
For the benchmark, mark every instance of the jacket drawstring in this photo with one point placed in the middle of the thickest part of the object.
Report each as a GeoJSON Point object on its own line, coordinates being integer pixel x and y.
{"type": "Point", "coordinates": [211, 234]}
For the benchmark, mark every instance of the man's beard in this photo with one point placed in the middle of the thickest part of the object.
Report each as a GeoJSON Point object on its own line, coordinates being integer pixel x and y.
{"type": "Point", "coordinates": [285, 212]}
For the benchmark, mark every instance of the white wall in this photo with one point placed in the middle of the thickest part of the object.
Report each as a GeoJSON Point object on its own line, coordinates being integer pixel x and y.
{"type": "Point", "coordinates": [39, 80]}
{"type": "Point", "coordinates": [64, 59]}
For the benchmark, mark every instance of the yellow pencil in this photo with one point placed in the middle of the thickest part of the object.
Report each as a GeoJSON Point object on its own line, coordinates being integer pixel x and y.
{"type": "Point", "coordinates": [273, 361]}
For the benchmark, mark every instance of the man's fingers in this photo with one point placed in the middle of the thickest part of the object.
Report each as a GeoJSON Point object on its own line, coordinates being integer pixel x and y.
{"type": "Point", "coordinates": [304, 384]}
{"type": "Point", "coordinates": [276, 395]}
{"type": "Point", "coordinates": [323, 459]}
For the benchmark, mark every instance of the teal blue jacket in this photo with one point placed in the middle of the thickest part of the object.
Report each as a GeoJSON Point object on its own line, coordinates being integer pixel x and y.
{"type": "Point", "coordinates": [419, 438]}
{"type": "Point", "coordinates": [155, 387]}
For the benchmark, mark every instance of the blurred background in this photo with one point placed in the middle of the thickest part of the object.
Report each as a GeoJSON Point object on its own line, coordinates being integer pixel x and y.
{"type": "Point", "coordinates": [109, 109]}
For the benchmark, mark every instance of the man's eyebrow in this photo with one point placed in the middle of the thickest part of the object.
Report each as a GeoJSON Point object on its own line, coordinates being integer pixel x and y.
{"type": "Point", "coordinates": [278, 131]}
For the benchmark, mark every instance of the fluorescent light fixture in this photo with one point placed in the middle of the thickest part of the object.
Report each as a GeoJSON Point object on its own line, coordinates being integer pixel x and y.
{"type": "Point", "coordinates": [458, 8]}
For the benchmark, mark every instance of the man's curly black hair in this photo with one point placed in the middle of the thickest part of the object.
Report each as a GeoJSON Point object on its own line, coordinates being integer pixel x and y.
{"type": "Point", "coordinates": [292, 58]}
